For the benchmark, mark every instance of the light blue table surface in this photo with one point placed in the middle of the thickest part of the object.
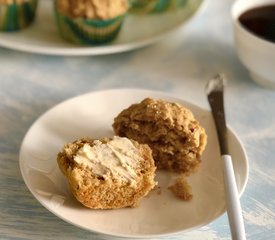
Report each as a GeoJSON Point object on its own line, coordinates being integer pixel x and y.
{"type": "Point", "coordinates": [180, 65]}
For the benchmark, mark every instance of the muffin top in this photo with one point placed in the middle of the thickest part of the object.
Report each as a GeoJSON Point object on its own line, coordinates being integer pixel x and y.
{"type": "Point", "coordinates": [170, 114]}
{"type": "Point", "coordinates": [93, 9]}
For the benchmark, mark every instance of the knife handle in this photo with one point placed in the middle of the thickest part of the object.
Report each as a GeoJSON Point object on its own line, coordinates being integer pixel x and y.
{"type": "Point", "coordinates": [233, 205]}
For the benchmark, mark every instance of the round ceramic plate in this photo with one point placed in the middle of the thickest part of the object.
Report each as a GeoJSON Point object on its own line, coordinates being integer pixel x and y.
{"type": "Point", "coordinates": [160, 213]}
{"type": "Point", "coordinates": [137, 31]}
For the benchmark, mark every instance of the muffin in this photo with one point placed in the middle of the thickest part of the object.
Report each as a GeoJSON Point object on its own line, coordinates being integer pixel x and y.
{"type": "Point", "coordinates": [171, 131]}
{"type": "Point", "coordinates": [16, 14]}
{"type": "Point", "coordinates": [90, 21]}
{"type": "Point", "coordinates": [109, 173]}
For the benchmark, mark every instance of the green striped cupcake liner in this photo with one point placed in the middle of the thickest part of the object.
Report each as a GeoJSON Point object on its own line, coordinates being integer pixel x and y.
{"type": "Point", "coordinates": [17, 16]}
{"type": "Point", "coordinates": [154, 6]}
{"type": "Point", "coordinates": [88, 31]}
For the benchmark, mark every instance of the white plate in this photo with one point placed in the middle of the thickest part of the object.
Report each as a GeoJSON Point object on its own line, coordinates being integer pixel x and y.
{"type": "Point", "coordinates": [137, 31]}
{"type": "Point", "coordinates": [92, 115]}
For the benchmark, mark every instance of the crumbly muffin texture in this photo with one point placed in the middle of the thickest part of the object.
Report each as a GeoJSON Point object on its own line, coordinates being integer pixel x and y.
{"type": "Point", "coordinates": [93, 9]}
{"type": "Point", "coordinates": [174, 135]}
{"type": "Point", "coordinates": [108, 173]}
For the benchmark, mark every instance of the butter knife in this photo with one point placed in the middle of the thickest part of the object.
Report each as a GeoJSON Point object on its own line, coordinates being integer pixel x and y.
{"type": "Point", "coordinates": [214, 90]}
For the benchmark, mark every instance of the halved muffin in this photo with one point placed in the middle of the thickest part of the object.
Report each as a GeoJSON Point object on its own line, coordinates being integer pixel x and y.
{"type": "Point", "coordinates": [171, 131]}
{"type": "Point", "coordinates": [108, 173]}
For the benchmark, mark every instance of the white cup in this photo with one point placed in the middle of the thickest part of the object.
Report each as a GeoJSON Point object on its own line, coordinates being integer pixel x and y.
{"type": "Point", "coordinates": [257, 54]}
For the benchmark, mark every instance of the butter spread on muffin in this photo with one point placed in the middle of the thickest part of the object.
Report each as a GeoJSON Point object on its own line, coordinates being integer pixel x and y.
{"type": "Point", "coordinates": [116, 159]}
{"type": "Point", "coordinates": [109, 173]}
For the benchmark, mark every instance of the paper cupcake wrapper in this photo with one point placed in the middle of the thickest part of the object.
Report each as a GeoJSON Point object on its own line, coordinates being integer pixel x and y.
{"type": "Point", "coordinates": [17, 16]}
{"type": "Point", "coordinates": [178, 3]}
{"type": "Point", "coordinates": [88, 31]}
{"type": "Point", "coordinates": [154, 6]}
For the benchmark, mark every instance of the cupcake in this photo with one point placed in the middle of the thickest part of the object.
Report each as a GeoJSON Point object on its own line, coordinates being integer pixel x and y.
{"type": "Point", "coordinates": [154, 6]}
{"type": "Point", "coordinates": [16, 14]}
{"type": "Point", "coordinates": [108, 173]}
{"type": "Point", "coordinates": [90, 21]}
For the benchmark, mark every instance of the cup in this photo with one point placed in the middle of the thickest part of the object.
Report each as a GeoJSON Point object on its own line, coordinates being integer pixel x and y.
{"type": "Point", "coordinates": [256, 53]}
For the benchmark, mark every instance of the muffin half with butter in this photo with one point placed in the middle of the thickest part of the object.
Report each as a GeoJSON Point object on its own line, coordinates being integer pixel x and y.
{"type": "Point", "coordinates": [108, 173]}
{"type": "Point", "coordinates": [90, 21]}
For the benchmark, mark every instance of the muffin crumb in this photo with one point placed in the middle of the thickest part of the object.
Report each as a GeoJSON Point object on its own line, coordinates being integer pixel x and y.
{"type": "Point", "coordinates": [181, 189]}
{"type": "Point", "coordinates": [158, 190]}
